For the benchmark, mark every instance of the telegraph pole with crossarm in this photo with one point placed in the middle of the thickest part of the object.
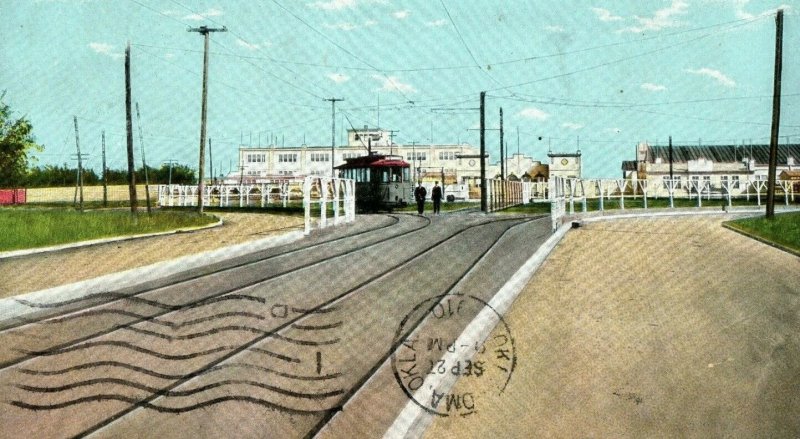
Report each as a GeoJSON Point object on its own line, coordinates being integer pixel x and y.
{"type": "Point", "coordinates": [204, 31]}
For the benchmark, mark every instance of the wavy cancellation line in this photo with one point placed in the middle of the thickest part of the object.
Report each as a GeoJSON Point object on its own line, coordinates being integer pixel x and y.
{"type": "Point", "coordinates": [230, 328]}
{"type": "Point", "coordinates": [137, 348]}
{"type": "Point", "coordinates": [152, 373]}
{"type": "Point", "coordinates": [178, 393]}
{"type": "Point", "coordinates": [162, 409]}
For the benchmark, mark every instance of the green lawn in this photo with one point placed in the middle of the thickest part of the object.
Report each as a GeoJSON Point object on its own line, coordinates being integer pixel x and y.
{"type": "Point", "coordinates": [784, 229]}
{"type": "Point", "coordinates": [29, 228]}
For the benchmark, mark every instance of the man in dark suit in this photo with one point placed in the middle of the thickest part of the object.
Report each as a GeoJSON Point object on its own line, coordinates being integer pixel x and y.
{"type": "Point", "coordinates": [436, 196]}
{"type": "Point", "coordinates": [419, 195]}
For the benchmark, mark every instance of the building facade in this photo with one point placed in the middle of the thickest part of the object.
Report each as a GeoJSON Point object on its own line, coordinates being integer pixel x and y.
{"type": "Point", "coordinates": [717, 166]}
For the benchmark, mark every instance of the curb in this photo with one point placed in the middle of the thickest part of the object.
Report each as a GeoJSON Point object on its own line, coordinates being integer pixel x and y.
{"type": "Point", "coordinates": [89, 243]}
{"type": "Point", "coordinates": [412, 421]}
{"type": "Point", "coordinates": [11, 308]}
{"type": "Point", "coordinates": [762, 240]}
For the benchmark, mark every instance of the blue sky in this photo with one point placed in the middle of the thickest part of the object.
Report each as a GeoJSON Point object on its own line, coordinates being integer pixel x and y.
{"type": "Point", "coordinates": [611, 73]}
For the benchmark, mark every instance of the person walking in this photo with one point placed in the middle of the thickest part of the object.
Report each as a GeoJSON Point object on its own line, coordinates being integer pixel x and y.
{"type": "Point", "coordinates": [436, 196]}
{"type": "Point", "coordinates": [419, 195]}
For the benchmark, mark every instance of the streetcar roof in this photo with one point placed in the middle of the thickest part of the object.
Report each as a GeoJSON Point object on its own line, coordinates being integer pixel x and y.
{"type": "Point", "coordinates": [374, 160]}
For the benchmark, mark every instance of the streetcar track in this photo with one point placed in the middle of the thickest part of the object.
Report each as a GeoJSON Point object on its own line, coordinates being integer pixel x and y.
{"type": "Point", "coordinates": [359, 384]}
{"type": "Point", "coordinates": [13, 362]}
{"type": "Point", "coordinates": [121, 296]}
{"type": "Point", "coordinates": [148, 401]}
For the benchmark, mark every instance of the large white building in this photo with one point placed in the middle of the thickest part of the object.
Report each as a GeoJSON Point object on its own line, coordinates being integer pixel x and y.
{"type": "Point", "coordinates": [429, 162]}
{"type": "Point", "coordinates": [717, 165]}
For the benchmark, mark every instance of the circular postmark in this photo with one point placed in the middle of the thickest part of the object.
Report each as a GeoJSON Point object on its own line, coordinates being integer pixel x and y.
{"type": "Point", "coordinates": [444, 339]}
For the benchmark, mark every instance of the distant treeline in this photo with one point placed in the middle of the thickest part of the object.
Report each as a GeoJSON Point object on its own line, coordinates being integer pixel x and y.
{"type": "Point", "coordinates": [50, 176]}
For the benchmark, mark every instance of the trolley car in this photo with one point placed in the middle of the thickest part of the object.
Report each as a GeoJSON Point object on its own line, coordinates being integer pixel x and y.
{"type": "Point", "coordinates": [383, 182]}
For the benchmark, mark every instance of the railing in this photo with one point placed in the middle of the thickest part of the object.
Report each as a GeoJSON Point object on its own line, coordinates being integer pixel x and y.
{"type": "Point", "coordinates": [337, 194]}
{"type": "Point", "coordinates": [565, 193]}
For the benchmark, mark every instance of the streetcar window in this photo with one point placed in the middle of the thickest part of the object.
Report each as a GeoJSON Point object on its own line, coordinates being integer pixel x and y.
{"type": "Point", "coordinates": [406, 174]}
{"type": "Point", "coordinates": [397, 174]}
{"type": "Point", "coordinates": [384, 175]}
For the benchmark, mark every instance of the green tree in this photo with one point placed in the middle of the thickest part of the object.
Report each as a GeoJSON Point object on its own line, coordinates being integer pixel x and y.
{"type": "Point", "coordinates": [16, 142]}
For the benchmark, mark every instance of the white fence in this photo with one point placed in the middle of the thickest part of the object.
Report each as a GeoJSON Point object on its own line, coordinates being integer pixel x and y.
{"type": "Point", "coordinates": [312, 193]}
{"type": "Point", "coordinates": [565, 193]}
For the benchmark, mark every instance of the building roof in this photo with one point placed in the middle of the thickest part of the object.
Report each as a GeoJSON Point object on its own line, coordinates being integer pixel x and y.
{"type": "Point", "coordinates": [629, 165]}
{"type": "Point", "coordinates": [720, 153]}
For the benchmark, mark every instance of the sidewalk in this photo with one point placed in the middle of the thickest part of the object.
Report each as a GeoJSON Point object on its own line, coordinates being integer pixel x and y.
{"type": "Point", "coordinates": [45, 270]}
{"type": "Point", "coordinates": [650, 327]}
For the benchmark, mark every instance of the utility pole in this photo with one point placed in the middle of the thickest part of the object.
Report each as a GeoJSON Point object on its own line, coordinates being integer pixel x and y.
{"type": "Point", "coordinates": [333, 102]}
{"type": "Point", "coordinates": [105, 173]}
{"type": "Point", "coordinates": [204, 31]}
{"type": "Point", "coordinates": [502, 153]}
{"type": "Point", "coordinates": [391, 140]}
{"type": "Point", "coordinates": [483, 151]}
{"type": "Point", "coordinates": [170, 162]}
{"type": "Point", "coordinates": [211, 160]}
{"type": "Point", "coordinates": [776, 116]}
{"type": "Point", "coordinates": [129, 131]}
{"type": "Point", "coordinates": [144, 160]}
{"type": "Point", "coordinates": [80, 162]}
{"type": "Point", "coordinates": [670, 158]}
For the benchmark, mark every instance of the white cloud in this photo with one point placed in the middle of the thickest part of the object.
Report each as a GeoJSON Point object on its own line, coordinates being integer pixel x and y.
{"type": "Point", "coordinates": [342, 26]}
{"type": "Point", "coordinates": [739, 10]}
{"type": "Point", "coordinates": [649, 86]}
{"type": "Point", "coordinates": [714, 74]}
{"type": "Point", "coordinates": [401, 15]}
{"type": "Point", "coordinates": [437, 23]}
{"type": "Point", "coordinates": [605, 15]}
{"type": "Point", "coordinates": [661, 19]}
{"type": "Point", "coordinates": [554, 29]}
{"type": "Point", "coordinates": [572, 125]}
{"type": "Point", "coordinates": [533, 113]}
{"type": "Point", "coordinates": [246, 45]}
{"type": "Point", "coordinates": [333, 5]}
{"type": "Point", "coordinates": [393, 83]}
{"type": "Point", "coordinates": [105, 49]}
{"type": "Point", "coordinates": [203, 15]}
{"type": "Point", "coordinates": [338, 77]}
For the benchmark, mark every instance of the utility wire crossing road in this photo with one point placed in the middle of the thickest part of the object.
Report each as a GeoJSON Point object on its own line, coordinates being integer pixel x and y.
{"type": "Point", "coordinates": [286, 342]}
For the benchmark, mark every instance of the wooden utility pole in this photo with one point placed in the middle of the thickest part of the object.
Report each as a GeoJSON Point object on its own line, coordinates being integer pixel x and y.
{"type": "Point", "coordinates": [129, 131]}
{"type": "Point", "coordinates": [211, 160]}
{"type": "Point", "coordinates": [105, 173]}
{"type": "Point", "coordinates": [144, 160]}
{"type": "Point", "coordinates": [80, 162]}
{"type": "Point", "coordinates": [204, 31]}
{"type": "Point", "coordinates": [333, 102]}
{"type": "Point", "coordinates": [670, 158]}
{"type": "Point", "coordinates": [776, 116]}
{"type": "Point", "coordinates": [502, 151]}
{"type": "Point", "coordinates": [483, 151]}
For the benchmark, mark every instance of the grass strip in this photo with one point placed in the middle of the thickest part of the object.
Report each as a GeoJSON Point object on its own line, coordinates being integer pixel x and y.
{"type": "Point", "coordinates": [30, 228]}
{"type": "Point", "coordinates": [782, 231]}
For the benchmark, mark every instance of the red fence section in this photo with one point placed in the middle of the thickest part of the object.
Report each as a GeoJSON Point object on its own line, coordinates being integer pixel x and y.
{"type": "Point", "coordinates": [12, 196]}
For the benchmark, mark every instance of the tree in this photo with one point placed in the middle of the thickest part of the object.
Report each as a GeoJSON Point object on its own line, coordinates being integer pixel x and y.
{"type": "Point", "coordinates": [16, 142]}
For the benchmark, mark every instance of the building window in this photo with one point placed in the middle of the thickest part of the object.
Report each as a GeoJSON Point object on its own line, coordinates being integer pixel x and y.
{"type": "Point", "coordinates": [350, 155]}
{"type": "Point", "coordinates": [256, 158]}
{"type": "Point", "coordinates": [287, 158]}
{"type": "Point", "coordinates": [735, 182]}
{"type": "Point", "coordinates": [418, 156]}
{"type": "Point", "coordinates": [320, 157]}
{"type": "Point", "coordinates": [447, 155]}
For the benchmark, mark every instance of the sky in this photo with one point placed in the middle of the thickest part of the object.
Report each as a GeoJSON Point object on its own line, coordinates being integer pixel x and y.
{"type": "Point", "coordinates": [596, 75]}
